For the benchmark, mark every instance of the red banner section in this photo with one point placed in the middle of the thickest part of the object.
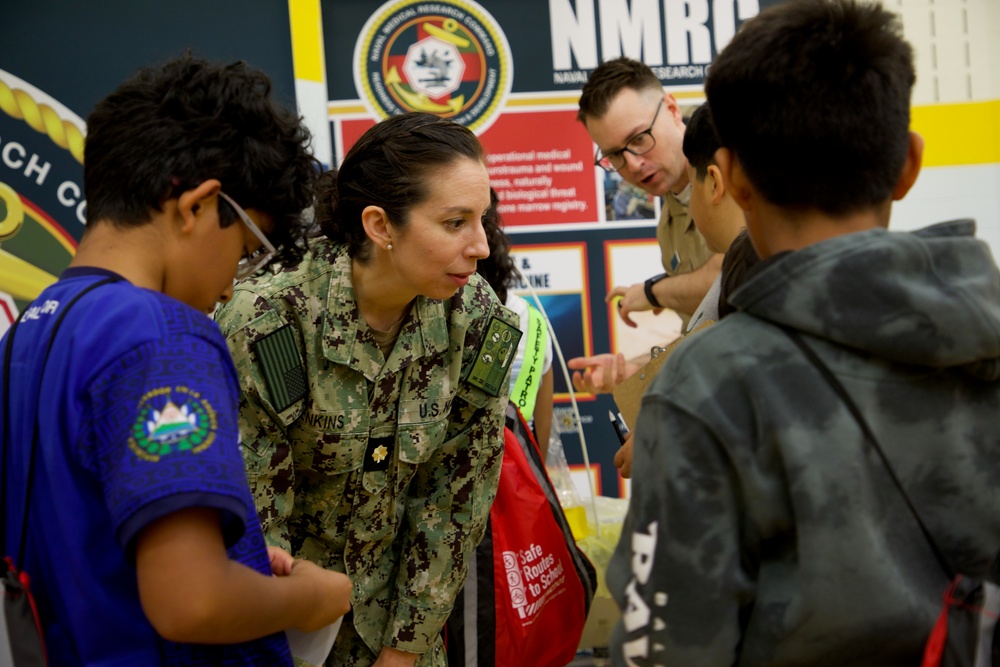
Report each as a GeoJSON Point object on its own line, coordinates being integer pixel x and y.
{"type": "Point", "coordinates": [541, 165]}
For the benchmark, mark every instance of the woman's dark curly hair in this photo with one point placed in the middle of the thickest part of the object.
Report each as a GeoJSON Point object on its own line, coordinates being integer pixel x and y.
{"type": "Point", "coordinates": [499, 268]}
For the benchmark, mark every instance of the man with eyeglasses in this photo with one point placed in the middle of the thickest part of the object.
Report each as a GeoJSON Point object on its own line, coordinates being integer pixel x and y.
{"type": "Point", "coordinates": [120, 400]}
{"type": "Point", "coordinates": [639, 133]}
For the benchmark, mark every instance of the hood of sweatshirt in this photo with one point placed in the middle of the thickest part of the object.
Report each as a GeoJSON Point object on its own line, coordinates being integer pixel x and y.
{"type": "Point", "coordinates": [929, 297]}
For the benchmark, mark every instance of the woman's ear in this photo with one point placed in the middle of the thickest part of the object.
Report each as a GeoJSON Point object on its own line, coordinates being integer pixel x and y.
{"type": "Point", "coordinates": [377, 226]}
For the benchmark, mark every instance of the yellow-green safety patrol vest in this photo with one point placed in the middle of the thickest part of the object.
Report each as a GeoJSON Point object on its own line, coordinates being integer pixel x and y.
{"type": "Point", "coordinates": [529, 377]}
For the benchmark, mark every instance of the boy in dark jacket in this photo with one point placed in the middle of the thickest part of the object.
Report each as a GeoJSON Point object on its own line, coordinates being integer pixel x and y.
{"type": "Point", "coordinates": [764, 528]}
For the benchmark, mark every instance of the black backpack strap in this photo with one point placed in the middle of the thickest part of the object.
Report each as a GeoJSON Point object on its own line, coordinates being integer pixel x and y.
{"type": "Point", "coordinates": [32, 456]}
{"type": "Point", "coordinates": [835, 384]}
{"type": "Point", "coordinates": [8, 348]}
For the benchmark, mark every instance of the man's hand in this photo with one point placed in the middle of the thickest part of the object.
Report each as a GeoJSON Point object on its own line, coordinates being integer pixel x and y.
{"type": "Point", "coordinates": [633, 299]}
{"type": "Point", "coordinates": [623, 457]}
{"type": "Point", "coordinates": [601, 373]}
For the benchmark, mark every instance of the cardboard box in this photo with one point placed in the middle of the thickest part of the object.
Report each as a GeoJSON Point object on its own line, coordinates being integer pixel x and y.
{"type": "Point", "coordinates": [601, 620]}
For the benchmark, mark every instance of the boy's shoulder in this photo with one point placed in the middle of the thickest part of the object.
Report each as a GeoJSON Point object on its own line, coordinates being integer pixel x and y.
{"type": "Point", "coordinates": [160, 315]}
{"type": "Point", "coordinates": [120, 315]}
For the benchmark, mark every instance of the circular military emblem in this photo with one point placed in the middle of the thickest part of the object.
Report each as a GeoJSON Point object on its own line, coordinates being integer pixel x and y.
{"type": "Point", "coordinates": [11, 212]}
{"type": "Point", "coordinates": [42, 211]}
{"type": "Point", "coordinates": [171, 420]}
{"type": "Point", "coordinates": [449, 58]}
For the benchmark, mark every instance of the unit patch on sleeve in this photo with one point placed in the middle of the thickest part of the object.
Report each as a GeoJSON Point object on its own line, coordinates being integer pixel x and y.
{"type": "Point", "coordinates": [282, 367]}
{"type": "Point", "coordinates": [494, 357]}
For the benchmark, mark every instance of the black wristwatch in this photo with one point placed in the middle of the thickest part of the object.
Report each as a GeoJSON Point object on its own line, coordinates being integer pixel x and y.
{"type": "Point", "coordinates": [648, 288]}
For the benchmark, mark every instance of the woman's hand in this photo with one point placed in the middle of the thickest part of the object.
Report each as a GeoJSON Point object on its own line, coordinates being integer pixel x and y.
{"type": "Point", "coordinates": [390, 657]}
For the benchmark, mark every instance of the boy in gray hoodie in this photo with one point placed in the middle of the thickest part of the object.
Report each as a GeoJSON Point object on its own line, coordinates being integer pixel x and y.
{"type": "Point", "coordinates": [764, 528]}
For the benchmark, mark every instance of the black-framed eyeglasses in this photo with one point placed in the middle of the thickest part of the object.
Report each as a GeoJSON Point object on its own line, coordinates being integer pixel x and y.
{"type": "Point", "coordinates": [252, 262]}
{"type": "Point", "coordinates": [637, 145]}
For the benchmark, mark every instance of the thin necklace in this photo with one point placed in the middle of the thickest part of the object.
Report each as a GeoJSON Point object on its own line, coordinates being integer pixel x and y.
{"type": "Point", "coordinates": [392, 326]}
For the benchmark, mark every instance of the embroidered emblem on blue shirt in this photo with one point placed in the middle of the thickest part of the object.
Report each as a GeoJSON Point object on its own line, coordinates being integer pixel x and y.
{"type": "Point", "coordinates": [171, 420]}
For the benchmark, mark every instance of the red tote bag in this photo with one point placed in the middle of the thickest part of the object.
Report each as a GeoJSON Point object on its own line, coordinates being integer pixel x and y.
{"type": "Point", "coordinates": [529, 588]}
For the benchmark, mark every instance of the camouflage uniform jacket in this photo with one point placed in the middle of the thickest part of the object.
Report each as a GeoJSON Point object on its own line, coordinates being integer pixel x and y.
{"type": "Point", "coordinates": [381, 468]}
{"type": "Point", "coordinates": [763, 530]}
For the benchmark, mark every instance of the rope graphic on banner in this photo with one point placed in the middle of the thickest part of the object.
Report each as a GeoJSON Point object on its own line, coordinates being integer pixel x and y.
{"type": "Point", "coordinates": [42, 118]}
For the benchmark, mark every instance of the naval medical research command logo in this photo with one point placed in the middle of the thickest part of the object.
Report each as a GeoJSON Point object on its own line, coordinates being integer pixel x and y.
{"type": "Point", "coordinates": [449, 58]}
{"type": "Point", "coordinates": [171, 420]}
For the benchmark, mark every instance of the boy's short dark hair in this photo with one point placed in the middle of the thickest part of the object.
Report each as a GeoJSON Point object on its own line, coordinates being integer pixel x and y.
{"type": "Point", "coordinates": [169, 128]}
{"type": "Point", "coordinates": [813, 98]}
{"type": "Point", "coordinates": [701, 141]}
{"type": "Point", "coordinates": [608, 80]}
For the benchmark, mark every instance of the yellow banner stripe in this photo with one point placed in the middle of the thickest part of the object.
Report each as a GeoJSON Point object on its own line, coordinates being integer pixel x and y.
{"type": "Point", "coordinates": [956, 134]}
{"type": "Point", "coordinates": [338, 108]}
{"type": "Point", "coordinates": [21, 279]}
{"type": "Point", "coordinates": [306, 22]}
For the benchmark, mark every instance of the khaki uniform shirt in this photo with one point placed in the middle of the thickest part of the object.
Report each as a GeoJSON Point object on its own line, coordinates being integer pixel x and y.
{"type": "Point", "coordinates": [682, 247]}
{"type": "Point", "coordinates": [381, 468]}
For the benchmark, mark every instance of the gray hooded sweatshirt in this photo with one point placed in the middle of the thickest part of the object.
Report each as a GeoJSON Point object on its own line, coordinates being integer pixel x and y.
{"type": "Point", "coordinates": [763, 529]}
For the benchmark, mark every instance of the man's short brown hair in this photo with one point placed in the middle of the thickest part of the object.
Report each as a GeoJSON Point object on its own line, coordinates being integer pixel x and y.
{"type": "Point", "coordinates": [609, 79]}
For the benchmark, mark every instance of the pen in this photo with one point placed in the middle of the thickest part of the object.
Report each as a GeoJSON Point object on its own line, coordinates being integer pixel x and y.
{"type": "Point", "coordinates": [619, 423]}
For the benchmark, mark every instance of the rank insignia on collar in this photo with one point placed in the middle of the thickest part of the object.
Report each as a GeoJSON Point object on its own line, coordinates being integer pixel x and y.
{"type": "Point", "coordinates": [494, 356]}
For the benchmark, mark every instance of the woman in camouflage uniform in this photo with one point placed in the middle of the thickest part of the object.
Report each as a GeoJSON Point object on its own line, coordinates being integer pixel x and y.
{"type": "Point", "coordinates": [375, 377]}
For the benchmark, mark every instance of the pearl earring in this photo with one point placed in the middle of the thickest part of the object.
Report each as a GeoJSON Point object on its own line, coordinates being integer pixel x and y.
{"type": "Point", "coordinates": [388, 246]}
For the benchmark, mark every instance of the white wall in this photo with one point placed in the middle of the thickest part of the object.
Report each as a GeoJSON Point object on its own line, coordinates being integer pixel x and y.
{"type": "Point", "coordinates": [947, 193]}
{"type": "Point", "coordinates": [957, 46]}
{"type": "Point", "coordinates": [958, 54]}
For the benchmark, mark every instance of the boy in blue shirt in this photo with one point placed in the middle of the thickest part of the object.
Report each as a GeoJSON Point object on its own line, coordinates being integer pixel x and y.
{"type": "Point", "coordinates": [142, 539]}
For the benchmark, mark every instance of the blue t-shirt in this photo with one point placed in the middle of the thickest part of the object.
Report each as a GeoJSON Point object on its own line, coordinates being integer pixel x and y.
{"type": "Point", "coordinates": [137, 419]}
